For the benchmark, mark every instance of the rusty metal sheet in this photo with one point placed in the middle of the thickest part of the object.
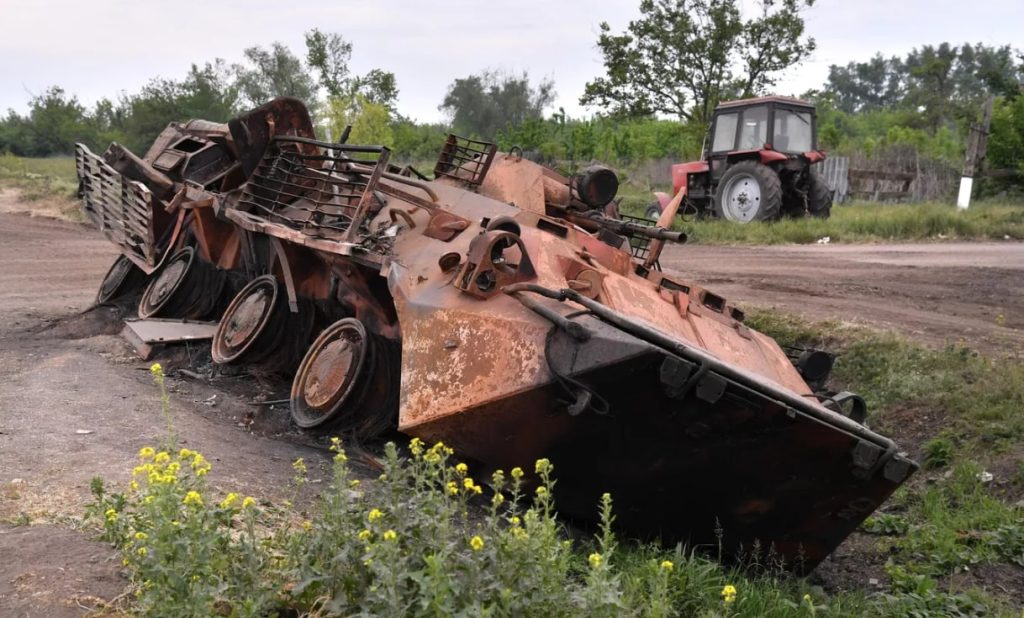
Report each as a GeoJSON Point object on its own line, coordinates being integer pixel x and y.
{"type": "Point", "coordinates": [149, 334]}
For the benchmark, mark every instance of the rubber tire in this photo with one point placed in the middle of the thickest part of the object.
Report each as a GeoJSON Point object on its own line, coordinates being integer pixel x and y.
{"type": "Point", "coordinates": [653, 211]}
{"type": "Point", "coordinates": [819, 196]}
{"type": "Point", "coordinates": [769, 184]}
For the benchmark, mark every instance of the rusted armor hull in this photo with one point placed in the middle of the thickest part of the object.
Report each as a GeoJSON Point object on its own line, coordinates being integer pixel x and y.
{"type": "Point", "coordinates": [495, 308]}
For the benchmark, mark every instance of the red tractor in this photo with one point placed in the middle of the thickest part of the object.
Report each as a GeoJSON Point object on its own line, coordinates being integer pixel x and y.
{"type": "Point", "coordinates": [759, 165]}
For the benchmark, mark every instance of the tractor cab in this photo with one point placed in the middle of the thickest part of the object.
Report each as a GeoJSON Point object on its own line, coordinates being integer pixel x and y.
{"type": "Point", "coordinates": [780, 125]}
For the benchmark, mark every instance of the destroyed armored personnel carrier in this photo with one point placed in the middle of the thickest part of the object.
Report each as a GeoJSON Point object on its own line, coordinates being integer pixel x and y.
{"type": "Point", "coordinates": [493, 308]}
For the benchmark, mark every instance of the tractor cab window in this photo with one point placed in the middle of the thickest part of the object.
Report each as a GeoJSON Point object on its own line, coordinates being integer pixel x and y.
{"type": "Point", "coordinates": [754, 131]}
{"type": "Point", "coordinates": [792, 131]}
{"type": "Point", "coordinates": [725, 133]}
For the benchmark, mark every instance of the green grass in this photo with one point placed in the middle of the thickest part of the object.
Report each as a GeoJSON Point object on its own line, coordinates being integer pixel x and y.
{"type": "Point", "coordinates": [980, 398]}
{"type": "Point", "coordinates": [857, 222]}
{"type": "Point", "coordinates": [950, 518]}
{"type": "Point", "coordinates": [45, 186]}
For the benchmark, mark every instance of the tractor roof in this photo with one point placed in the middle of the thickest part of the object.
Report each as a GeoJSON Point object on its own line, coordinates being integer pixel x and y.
{"type": "Point", "coordinates": [762, 100]}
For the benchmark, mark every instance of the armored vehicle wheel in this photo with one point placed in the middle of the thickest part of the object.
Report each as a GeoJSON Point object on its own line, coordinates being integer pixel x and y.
{"type": "Point", "coordinates": [819, 196]}
{"type": "Point", "coordinates": [749, 192]}
{"type": "Point", "coordinates": [185, 287]}
{"type": "Point", "coordinates": [122, 279]}
{"type": "Point", "coordinates": [346, 380]}
{"type": "Point", "coordinates": [252, 325]}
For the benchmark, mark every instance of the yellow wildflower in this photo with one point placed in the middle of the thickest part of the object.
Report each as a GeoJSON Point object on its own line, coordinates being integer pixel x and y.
{"type": "Point", "coordinates": [184, 453]}
{"type": "Point", "coordinates": [808, 600]}
{"type": "Point", "coordinates": [341, 457]}
{"type": "Point", "coordinates": [193, 497]}
{"type": "Point", "coordinates": [364, 535]}
{"type": "Point", "coordinates": [594, 559]}
{"type": "Point", "coordinates": [335, 443]}
{"type": "Point", "coordinates": [146, 452]}
{"type": "Point", "coordinates": [498, 478]}
{"type": "Point", "coordinates": [307, 525]}
{"type": "Point", "coordinates": [514, 520]}
{"type": "Point", "coordinates": [498, 499]}
{"type": "Point", "coordinates": [353, 483]}
{"type": "Point", "coordinates": [468, 483]}
{"type": "Point", "coordinates": [542, 466]}
{"type": "Point", "coordinates": [173, 467]}
{"type": "Point", "coordinates": [142, 551]}
{"type": "Point", "coordinates": [542, 491]}
{"type": "Point", "coordinates": [416, 447]}
{"type": "Point", "coordinates": [667, 565]}
{"type": "Point", "coordinates": [453, 488]}
{"type": "Point", "coordinates": [134, 486]}
{"type": "Point", "coordinates": [147, 500]}
{"type": "Point", "coordinates": [461, 468]}
{"type": "Point", "coordinates": [729, 594]}
{"type": "Point", "coordinates": [137, 470]}
{"type": "Point", "coordinates": [203, 471]}
{"type": "Point", "coordinates": [111, 515]}
{"type": "Point", "coordinates": [162, 457]}
{"type": "Point", "coordinates": [229, 500]}
{"type": "Point", "coordinates": [299, 466]}
{"type": "Point", "coordinates": [517, 473]}
{"type": "Point", "coordinates": [374, 515]}
{"type": "Point", "coordinates": [519, 533]}
{"type": "Point", "coordinates": [248, 502]}
{"type": "Point", "coordinates": [156, 369]}
{"type": "Point", "coordinates": [141, 536]}
{"type": "Point", "coordinates": [476, 543]}
{"type": "Point", "coordinates": [390, 535]}
{"type": "Point", "coordinates": [198, 461]}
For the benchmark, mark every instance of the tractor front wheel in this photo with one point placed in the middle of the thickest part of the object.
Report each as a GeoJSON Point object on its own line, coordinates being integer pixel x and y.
{"type": "Point", "coordinates": [819, 196]}
{"type": "Point", "coordinates": [653, 211]}
{"type": "Point", "coordinates": [749, 192]}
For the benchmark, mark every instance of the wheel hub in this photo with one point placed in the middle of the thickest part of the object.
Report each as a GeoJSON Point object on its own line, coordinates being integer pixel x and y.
{"type": "Point", "coordinates": [168, 281]}
{"type": "Point", "coordinates": [245, 321]}
{"type": "Point", "coordinates": [331, 374]}
{"type": "Point", "coordinates": [742, 198]}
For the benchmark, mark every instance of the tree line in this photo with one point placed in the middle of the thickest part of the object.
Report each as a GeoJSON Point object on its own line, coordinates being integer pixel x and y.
{"type": "Point", "coordinates": [663, 75]}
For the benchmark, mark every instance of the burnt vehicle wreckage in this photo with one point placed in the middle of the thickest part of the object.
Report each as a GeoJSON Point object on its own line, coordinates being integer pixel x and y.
{"type": "Point", "coordinates": [492, 308]}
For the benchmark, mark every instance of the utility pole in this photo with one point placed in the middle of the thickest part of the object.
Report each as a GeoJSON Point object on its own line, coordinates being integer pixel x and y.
{"type": "Point", "coordinates": [977, 143]}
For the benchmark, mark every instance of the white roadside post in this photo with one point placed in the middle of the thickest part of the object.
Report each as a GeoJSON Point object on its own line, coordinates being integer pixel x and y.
{"type": "Point", "coordinates": [977, 143]}
{"type": "Point", "coordinates": [963, 199]}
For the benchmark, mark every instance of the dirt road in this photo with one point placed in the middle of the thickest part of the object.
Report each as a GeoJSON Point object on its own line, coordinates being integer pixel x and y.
{"type": "Point", "coordinates": [938, 293]}
{"type": "Point", "coordinates": [75, 402]}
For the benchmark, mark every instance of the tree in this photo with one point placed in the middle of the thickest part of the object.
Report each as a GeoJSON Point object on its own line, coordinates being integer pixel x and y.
{"type": "Point", "coordinates": [207, 92]}
{"type": "Point", "coordinates": [682, 56]}
{"type": "Point", "coordinates": [328, 54]}
{"type": "Point", "coordinates": [481, 105]}
{"type": "Point", "coordinates": [271, 73]}
{"type": "Point", "coordinates": [862, 86]}
{"type": "Point", "coordinates": [54, 123]}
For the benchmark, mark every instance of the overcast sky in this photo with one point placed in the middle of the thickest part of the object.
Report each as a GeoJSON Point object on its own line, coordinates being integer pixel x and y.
{"type": "Point", "coordinates": [97, 48]}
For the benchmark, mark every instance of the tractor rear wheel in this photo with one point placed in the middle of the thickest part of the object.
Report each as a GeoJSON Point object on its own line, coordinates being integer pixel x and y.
{"type": "Point", "coordinates": [819, 196]}
{"type": "Point", "coordinates": [749, 192]}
